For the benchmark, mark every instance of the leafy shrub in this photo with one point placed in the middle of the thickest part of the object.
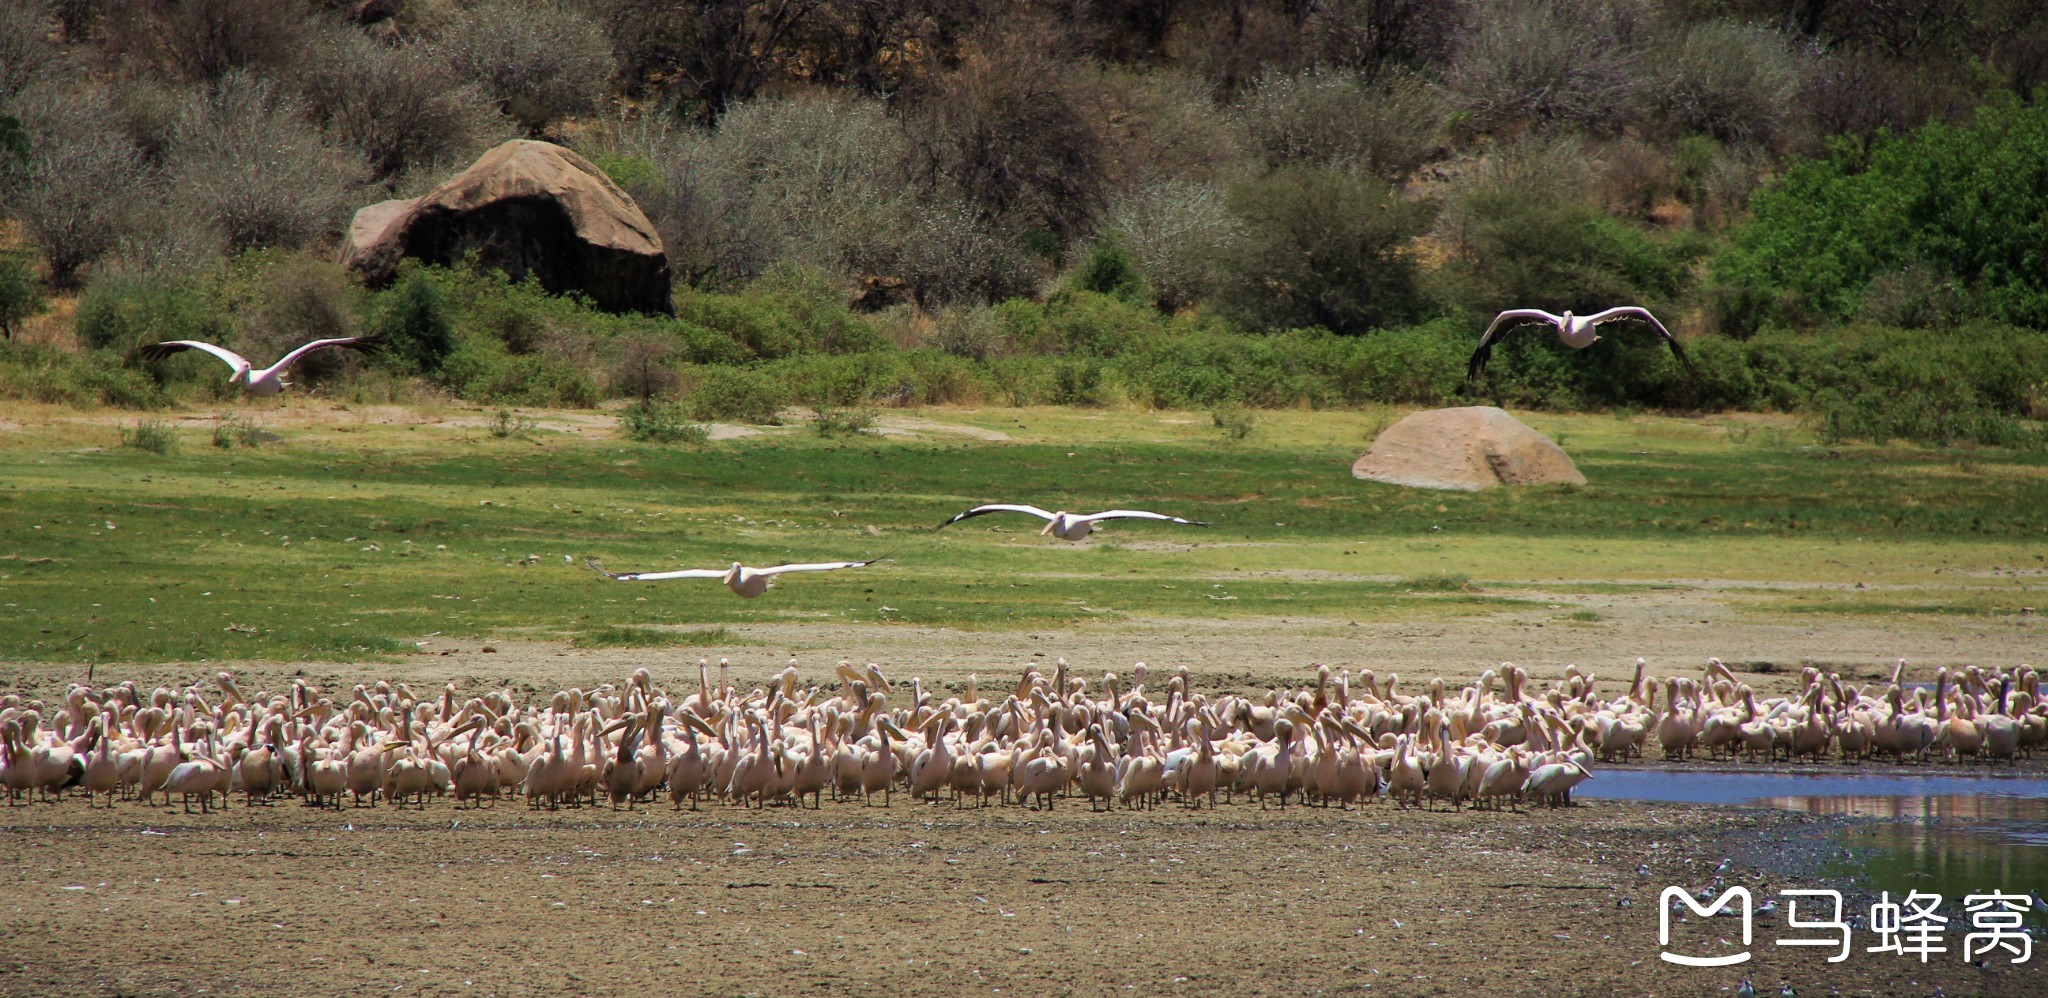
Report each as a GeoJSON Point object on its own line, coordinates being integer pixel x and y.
{"type": "Point", "coordinates": [231, 430]}
{"type": "Point", "coordinates": [1958, 200]}
{"type": "Point", "coordinates": [124, 310]}
{"type": "Point", "coordinates": [1322, 248]}
{"type": "Point", "coordinates": [735, 393]}
{"type": "Point", "coordinates": [1078, 322]}
{"type": "Point", "coordinates": [479, 369]}
{"type": "Point", "coordinates": [152, 435]}
{"type": "Point", "coordinates": [57, 376]}
{"type": "Point", "coordinates": [1076, 382]}
{"type": "Point", "coordinates": [538, 61]}
{"type": "Point", "coordinates": [415, 319]}
{"type": "Point", "coordinates": [21, 297]}
{"type": "Point", "coordinates": [789, 310]}
{"type": "Point", "coordinates": [830, 422]}
{"type": "Point", "coordinates": [506, 423]}
{"type": "Point", "coordinates": [1109, 270]}
{"type": "Point", "coordinates": [1563, 256]}
{"type": "Point", "coordinates": [244, 158]}
{"type": "Point", "coordinates": [1236, 421]}
{"type": "Point", "coordinates": [649, 422]}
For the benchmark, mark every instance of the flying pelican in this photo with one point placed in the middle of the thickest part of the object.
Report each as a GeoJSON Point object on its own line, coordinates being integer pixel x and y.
{"type": "Point", "coordinates": [1068, 526]}
{"type": "Point", "coordinates": [1575, 330]}
{"type": "Point", "coordinates": [260, 382]}
{"type": "Point", "coordinates": [746, 582]}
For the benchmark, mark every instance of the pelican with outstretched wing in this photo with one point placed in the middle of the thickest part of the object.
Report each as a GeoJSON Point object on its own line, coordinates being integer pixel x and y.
{"type": "Point", "coordinates": [1065, 525]}
{"type": "Point", "coordinates": [746, 582]}
{"type": "Point", "coordinates": [1575, 330]}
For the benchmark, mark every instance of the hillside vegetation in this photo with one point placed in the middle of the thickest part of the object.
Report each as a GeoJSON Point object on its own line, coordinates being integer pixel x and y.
{"type": "Point", "coordinates": [1170, 203]}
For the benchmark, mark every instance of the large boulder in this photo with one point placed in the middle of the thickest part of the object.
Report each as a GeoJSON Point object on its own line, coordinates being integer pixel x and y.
{"type": "Point", "coordinates": [525, 208]}
{"type": "Point", "coordinates": [1466, 449]}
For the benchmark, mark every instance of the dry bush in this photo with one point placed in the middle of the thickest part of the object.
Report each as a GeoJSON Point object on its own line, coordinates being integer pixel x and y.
{"type": "Point", "coordinates": [1632, 177]}
{"type": "Point", "coordinates": [1535, 169]}
{"type": "Point", "coordinates": [300, 298]}
{"type": "Point", "coordinates": [1718, 181]}
{"type": "Point", "coordinates": [1578, 62]}
{"type": "Point", "coordinates": [819, 179]}
{"type": "Point", "coordinates": [78, 193]}
{"type": "Point", "coordinates": [1232, 44]}
{"type": "Point", "coordinates": [1177, 230]}
{"type": "Point", "coordinates": [400, 106]}
{"type": "Point", "coordinates": [246, 159]}
{"type": "Point", "coordinates": [537, 61]}
{"type": "Point", "coordinates": [644, 367]}
{"type": "Point", "coordinates": [1322, 247]}
{"type": "Point", "coordinates": [1003, 133]}
{"type": "Point", "coordinates": [203, 40]}
{"type": "Point", "coordinates": [1376, 36]}
{"type": "Point", "coordinates": [1731, 81]}
{"type": "Point", "coordinates": [970, 331]}
{"type": "Point", "coordinates": [1318, 118]}
{"type": "Point", "coordinates": [26, 55]}
{"type": "Point", "coordinates": [1855, 94]}
{"type": "Point", "coordinates": [1162, 125]}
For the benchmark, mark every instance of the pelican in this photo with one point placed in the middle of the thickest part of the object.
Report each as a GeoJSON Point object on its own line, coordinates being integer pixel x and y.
{"type": "Point", "coordinates": [259, 382]}
{"type": "Point", "coordinates": [746, 582]}
{"type": "Point", "coordinates": [1575, 330]}
{"type": "Point", "coordinates": [1067, 526]}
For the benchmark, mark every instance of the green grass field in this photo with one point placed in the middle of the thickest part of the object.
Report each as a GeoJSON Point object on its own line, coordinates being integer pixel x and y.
{"type": "Point", "coordinates": [350, 540]}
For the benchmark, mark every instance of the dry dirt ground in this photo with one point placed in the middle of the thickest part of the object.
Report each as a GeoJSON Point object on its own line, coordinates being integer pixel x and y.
{"type": "Point", "coordinates": [929, 899]}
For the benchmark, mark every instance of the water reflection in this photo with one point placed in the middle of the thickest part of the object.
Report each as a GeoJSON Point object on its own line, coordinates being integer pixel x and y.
{"type": "Point", "coordinates": [1947, 835]}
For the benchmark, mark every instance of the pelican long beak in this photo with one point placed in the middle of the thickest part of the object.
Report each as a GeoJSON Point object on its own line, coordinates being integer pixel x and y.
{"type": "Point", "coordinates": [1049, 524]}
{"type": "Point", "coordinates": [395, 746]}
{"type": "Point", "coordinates": [877, 679]}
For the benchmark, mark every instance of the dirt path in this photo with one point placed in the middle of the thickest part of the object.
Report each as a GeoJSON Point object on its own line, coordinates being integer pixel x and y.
{"type": "Point", "coordinates": [912, 899]}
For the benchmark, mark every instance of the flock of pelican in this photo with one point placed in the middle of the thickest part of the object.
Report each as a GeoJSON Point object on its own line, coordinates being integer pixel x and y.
{"type": "Point", "coordinates": [1973, 713]}
{"type": "Point", "coordinates": [1343, 740]}
{"type": "Point", "coordinates": [1132, 743]}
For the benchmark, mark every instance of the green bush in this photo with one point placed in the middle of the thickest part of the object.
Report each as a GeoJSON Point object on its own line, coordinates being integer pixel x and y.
{"type": "Point", "coordinates": [122, 311]}
{"type": "Point", "coordinates": [736, 393]}
{"type": "Point", "coordinates": [1321, 247]}
{"type": "Point", "coordinates": [481, 370]}
{"type": "Point", "coordinates": [152, 435]}
{"type": "Point", "coordinates": [1961, 201]}
{"type": "Point", "coordinates": [56, 376]}
{"type": "Point", "coordinates": [651, 422]}
{"type": "Point", "coordinates": [1109, 270]}
{"type": "Point", "coordinates": [1524, 251]}
{"type": "Point", "coordinates": [1078, 322]}
{"type": "Point", "coordinates": [20, 296]}
{"type": "Point", "coordinates": [789, 310]}
{"type": "Point", "coordinates": [415, 319]}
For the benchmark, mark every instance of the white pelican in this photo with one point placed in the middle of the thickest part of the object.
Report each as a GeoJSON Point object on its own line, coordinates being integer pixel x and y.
{"type": "Point", "coordinates": [747, 582]}
{"type": "Point", "coordinates": [261, 382]}
{"type": "Point", "coordinates": [1575, 330]}
{"type": "Point", "coordinates": [1067, 526]}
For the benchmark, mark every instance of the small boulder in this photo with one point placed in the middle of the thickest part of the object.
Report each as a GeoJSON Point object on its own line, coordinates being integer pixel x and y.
{"type": "Point", "coordinates": [1465, 449]}
{"type": "Point", "coordinates": [524, 208]}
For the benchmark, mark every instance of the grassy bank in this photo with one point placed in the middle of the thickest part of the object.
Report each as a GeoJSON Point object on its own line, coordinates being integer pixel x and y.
{"type": "Point", "coordinates": [347, 540]}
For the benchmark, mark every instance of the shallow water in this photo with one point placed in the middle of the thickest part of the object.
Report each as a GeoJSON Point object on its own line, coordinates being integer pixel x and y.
{"type": "Point", "coordinates": [1947, 835]}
